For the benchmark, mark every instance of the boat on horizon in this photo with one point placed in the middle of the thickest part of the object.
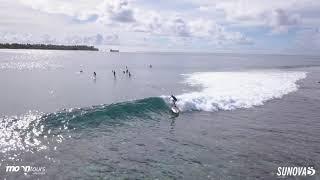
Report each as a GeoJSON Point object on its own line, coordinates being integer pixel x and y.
{"type": "Point", "coordinates": [114, 50]}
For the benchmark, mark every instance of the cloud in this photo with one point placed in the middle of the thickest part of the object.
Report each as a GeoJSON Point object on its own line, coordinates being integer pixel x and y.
{"type": "Point", "coordinates": [122, 16]}
{"type": "Point", "coordinates": [279, 16]}
{"type": "Point", "coordinates": [308, 40]}
{"type": "Point", "coordinates": [204, 8]}
{"type": "Point", "coordinates": [7, 37]}
{"type": "Point", "coordinates": [80, 10]}
{"type": "Point", "coordinates": [281, 21]}
{"type": "Point", "coordinates": [178, 26]}
{"type": "Point", "coordinates": [171, 24]}
{"type": "Point", "coordinates": [97, 39]}
{"type": "Point", "coordinates": [186, 23]}
{"type": "Point", "coordinates": [116, 11]}
{"type": "Point", "coordinates": [84, 11]}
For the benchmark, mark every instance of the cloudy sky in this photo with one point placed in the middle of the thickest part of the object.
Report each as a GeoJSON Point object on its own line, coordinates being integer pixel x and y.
{"type": "Point", "coordinates": [253, 26]}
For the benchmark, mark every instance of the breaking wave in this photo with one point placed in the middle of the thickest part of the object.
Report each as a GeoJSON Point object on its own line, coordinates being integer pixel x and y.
{"type": "Point", "coordinates": [36, 131]}
{"type": "Point", "coordinates": [233, 90]}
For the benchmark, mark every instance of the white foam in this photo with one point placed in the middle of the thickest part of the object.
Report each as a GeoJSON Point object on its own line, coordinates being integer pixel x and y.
{"type": "Point", "coordinates": [233, 90]}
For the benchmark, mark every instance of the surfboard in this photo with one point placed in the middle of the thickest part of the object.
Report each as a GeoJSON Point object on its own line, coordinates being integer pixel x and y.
{"type": "Point", "coordinates": [175, 110]}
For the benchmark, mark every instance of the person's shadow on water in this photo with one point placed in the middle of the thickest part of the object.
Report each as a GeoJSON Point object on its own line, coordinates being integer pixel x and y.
{"type": "Point", "coordinates": [173, 118]}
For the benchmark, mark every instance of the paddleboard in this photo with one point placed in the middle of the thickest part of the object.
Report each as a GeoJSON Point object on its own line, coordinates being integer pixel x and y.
{"type": "Point", "coordinates": [175, 110]}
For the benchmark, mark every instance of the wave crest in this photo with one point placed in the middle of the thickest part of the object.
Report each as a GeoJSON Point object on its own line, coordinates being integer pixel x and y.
{"type": "Point", "coordinates": [34, 131]}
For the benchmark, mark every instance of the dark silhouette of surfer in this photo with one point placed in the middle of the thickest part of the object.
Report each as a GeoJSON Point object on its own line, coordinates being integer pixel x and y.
{"type": "Point", "coordinates": [174, 100]}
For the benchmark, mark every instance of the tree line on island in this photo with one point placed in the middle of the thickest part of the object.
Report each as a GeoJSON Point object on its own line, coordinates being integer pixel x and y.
{"type": "Point", "coordinates": [47, 46]}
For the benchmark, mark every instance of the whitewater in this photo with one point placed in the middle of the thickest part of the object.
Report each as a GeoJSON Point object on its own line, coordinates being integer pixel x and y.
{"type": "Point", "coordinates": [233, 90]}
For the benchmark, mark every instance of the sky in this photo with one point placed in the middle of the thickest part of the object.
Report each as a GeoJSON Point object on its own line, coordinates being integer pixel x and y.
{"type": "Point", "coordinates": [240, 26]}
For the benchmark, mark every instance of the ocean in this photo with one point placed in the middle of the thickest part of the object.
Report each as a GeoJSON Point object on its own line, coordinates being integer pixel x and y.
{"type": "Point", "coordinates": [242, 115]}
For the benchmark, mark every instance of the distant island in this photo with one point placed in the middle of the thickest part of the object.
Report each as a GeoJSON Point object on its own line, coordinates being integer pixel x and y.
{"type": "Point", "coordinates": [47, 47]}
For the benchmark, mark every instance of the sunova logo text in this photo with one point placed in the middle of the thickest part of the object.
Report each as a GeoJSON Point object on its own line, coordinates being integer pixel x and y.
{"type": "Point", "coordinates": [296, 171]}
{"type": "Point", "coordinates": [26, 169]}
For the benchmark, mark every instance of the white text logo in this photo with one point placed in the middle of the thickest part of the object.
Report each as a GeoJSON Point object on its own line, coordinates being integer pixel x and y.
{"type": "Point", "coordinates": [296, 171]}
{"type": "Point", "coordinates": [26, 169]}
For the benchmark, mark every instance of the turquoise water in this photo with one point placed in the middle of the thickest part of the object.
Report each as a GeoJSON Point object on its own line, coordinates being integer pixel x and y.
{"type": "Point", "coordinates": [242, 116]}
